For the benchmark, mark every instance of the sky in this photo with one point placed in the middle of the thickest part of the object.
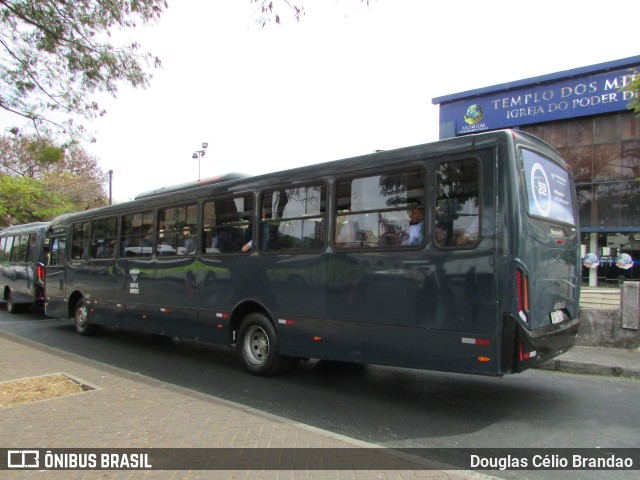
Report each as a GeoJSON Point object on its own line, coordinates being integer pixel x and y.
{"type": "Point", "coordinates": [347, 79]}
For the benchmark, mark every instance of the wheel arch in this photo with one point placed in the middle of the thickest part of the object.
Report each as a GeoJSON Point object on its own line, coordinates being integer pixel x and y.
{"type": "Point", "coordinates": [73, 299]}
{"type": "Point", "coordinates": [240, 311]}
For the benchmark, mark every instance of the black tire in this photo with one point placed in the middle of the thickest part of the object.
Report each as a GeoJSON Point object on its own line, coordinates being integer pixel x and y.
{"type": "Point", "coordinates": [13, 307]}
{"type": "Point", "coordinates": [258, 347]}
{"type": "Point", "coordinates": [81, 319]}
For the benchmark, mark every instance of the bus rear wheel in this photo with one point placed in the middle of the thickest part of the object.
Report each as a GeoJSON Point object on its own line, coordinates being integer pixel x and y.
{"type": "Point", "coordinates": [12, 307]}
{"type": "Point", "coordinates": [81, 319]}
{"type": "Point", "coordinates": [258, 347]}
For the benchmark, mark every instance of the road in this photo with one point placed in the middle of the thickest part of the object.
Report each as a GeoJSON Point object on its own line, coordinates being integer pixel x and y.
{"type": "Point", "coordinates": [391, 407]}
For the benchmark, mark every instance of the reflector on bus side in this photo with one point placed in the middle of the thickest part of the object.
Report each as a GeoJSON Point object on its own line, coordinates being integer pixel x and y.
{"type": "Point", "coordinates": [483, 342]}
{"type": "Point", "coordinates": [40, 274]}
{"type": "Point", "coordinates": [527, 355]}
{"type": "Point", "coordinates": [522, 281]}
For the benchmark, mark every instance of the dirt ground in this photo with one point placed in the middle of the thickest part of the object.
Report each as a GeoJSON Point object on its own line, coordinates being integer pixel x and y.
{"type": "Point", "coordinates": [34, 389]}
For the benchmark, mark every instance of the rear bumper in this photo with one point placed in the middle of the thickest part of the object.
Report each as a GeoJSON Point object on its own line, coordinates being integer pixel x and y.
{"type": "Point", "coordinates": [523, 349]}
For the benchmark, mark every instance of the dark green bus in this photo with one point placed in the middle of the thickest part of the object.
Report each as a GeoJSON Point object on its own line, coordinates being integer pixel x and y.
{"type": "Point", "coordinates": [460, 255]}
{"type": "Point", "coordinates": [23, 257]}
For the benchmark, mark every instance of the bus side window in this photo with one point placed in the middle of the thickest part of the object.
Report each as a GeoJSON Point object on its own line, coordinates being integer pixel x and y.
{"type": "Point", "coordinates": [176, 233]}
{"type": "Point", "coordinates": [80, 241]}
{"type": "Point", "coordinates": [8, 246]}
{"type": "Point", "coordinates": [31, 248]}
{"type": "Point", "coordinates": [57, 253]}
{"type": "Point", "coordinates": [381, 211]}
{"type": "Point", "coordinates": [104, 234]}
{"type": "Point", "coordinates": [20, 245]}
{"type": "Point", "coordinates": [137, 234]}
{"type": "Point", "coordinates": [227, 224]}
{"type": "Point", "coordinates": [293, 219]}
{"type": "Point", "coordinates": [458, 204]}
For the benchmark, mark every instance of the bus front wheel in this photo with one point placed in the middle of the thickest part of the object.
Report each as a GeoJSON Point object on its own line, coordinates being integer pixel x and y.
{"type": "Point", "coordinates": [258, 347]}
{"type": "Point", "coordinates": [81, 319]}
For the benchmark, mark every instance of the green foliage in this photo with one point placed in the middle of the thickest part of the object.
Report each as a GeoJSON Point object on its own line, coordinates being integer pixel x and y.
{"type": "Point", "coordinates": [39, 180]}
{"type": "Point", "coordinates": [54, 55]}
{"type": "Point", "coordinates": [26, 199]}
{"type": "Point", "coordinates": [634, 88]}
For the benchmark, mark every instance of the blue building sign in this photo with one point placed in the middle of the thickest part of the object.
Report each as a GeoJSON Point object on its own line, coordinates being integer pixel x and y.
{"type": "Point", "coordinates": [543, 99]}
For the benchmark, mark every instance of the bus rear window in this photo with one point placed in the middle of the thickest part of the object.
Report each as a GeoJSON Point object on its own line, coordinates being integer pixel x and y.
{"type": "Point", "coordinates": [549, 188]}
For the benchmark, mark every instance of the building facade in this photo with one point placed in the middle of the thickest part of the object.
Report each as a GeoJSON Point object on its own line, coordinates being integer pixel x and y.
{"type": "Point", "coordinates": [584, 114]}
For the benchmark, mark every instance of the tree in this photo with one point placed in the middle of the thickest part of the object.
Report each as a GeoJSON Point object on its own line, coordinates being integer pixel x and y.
{"type": "Point", "coordinates": [39, 180]}
{"type": "Point", "coordinates": [634, 88]}
{"type": "Point", "coordinates": [55, 55]}
{"type": "Point", "coordinates": [267, 12]}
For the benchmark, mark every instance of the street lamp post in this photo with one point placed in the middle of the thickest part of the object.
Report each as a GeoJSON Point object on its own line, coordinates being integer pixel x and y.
{"type": "Point", "coordinates": [199, 154]}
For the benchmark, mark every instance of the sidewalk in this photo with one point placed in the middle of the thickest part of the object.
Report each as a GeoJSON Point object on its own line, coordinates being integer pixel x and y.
{"type": "Point", "coordinates": [128, 410]}
{"type": "Point", "coordinates": [598, 361]}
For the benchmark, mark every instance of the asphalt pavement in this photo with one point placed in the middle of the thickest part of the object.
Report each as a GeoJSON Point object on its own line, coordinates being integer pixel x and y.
{"type": "Point", "coordinates": [125, 410]}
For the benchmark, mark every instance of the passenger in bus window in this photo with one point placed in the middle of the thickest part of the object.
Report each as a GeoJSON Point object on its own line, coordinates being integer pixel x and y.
{"type": "Point", "coordinates": [46, 255]}
{"type": "Point", "coordinates": [266, 240]}
{"type": "Point", "coordinates": [189, 246]}
{"type": "Point", "coordinates": [345, 232]}
{"type": "Point", "coordinates": [268, 233]}
{"type": "Point", "coordinates": [416, 224]}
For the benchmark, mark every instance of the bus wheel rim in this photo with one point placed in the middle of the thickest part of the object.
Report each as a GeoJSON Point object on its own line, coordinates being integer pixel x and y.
{"type": "Point", "coordinates": [256, 345]}
{"type": "Point", "coordinates": [82, 317]}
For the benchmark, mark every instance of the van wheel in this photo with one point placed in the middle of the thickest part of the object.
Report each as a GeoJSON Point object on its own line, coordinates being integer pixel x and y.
{"type": "Point", "coordinates": [81, 319]}
{"type": "Point", "coordinates": [258, 347]}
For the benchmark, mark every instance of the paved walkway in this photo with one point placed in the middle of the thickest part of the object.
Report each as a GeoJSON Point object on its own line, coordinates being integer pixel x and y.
{"type": "Point", "coordinates": [128, 410]}
{"type": "Point", "coordinates": [598, 361]}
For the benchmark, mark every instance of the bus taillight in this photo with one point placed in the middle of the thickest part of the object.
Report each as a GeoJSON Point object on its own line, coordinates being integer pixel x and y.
{"type": "Point", "coordinates": [522, 281]}
{"type": "Point", "coordinates": [40, 271]}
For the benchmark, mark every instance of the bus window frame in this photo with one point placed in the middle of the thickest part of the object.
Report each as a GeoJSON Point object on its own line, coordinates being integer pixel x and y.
{"type": "Point", "coordinates": [523, 178]}
{"type": "Point", "coordinates": [194, 235]}
{"type": "Point", "coordinates": [367, 173]}
{"type": "Point", "coordinates": [122, 236]}
{"type": "Point", "coordinates": [461, 158]}
{"type": "Point", "coordinates": [323, 216]}
{"type": "Point", "coordinates": [114, 255]}
{"type": "Point", "coordinates": [251, 225]}
{"type": "Point", "coordinates": [86, 241]}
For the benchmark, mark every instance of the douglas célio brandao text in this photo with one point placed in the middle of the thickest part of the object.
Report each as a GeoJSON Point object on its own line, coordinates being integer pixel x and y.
{"type": "Point", "coordinates": [551, 462]}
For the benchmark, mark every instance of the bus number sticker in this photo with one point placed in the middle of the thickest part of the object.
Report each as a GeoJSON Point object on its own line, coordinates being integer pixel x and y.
{"type": "Point", "coordinates": [541, 190]}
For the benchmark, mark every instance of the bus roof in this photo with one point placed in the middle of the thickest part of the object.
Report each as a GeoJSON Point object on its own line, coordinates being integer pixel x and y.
{"type": "Point", "coordinates": [191, 185]}
{"type": "Point", "coordinates": [235, 182]}
{"type": "Point", "coordinates": [25, 227]}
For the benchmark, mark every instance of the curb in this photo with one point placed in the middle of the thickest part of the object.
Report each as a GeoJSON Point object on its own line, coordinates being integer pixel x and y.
{"type": "Point", "coordinates": [568, 366]}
